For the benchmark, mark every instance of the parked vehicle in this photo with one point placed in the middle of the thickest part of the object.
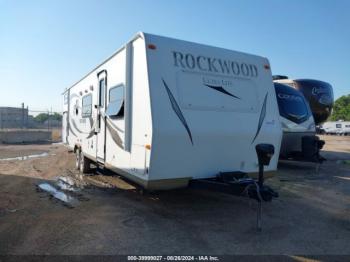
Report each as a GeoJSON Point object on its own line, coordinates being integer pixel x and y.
{"type": "Point", "coordinates": [318, 93]}
{"type": "Point", "coordinates": [335, 128]}
{"type": "Point", "coordinates": [164, 112]}
{"type": "Point", "coordinates": [299, 140]}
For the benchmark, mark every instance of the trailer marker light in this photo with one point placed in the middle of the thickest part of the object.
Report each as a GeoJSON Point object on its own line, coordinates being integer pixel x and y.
{"type": "Point", "coordinates": [152, 46]}
{"type": "Point", "coordinates": [267, 67]}
{"type": "Point", "coordinates": [148, 147]}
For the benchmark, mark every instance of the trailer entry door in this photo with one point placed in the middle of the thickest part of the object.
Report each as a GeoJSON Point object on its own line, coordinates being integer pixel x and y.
{"type": "Point", "coordinates": [101, 118]}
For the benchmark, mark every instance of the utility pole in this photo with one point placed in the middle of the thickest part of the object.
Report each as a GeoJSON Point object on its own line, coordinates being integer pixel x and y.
{"type": "Point", "coordinates": [27, 117]}
{"type": "Point", "coordinates": [49, 117]}
{"type": "Point", "coordinates": [48, 120]}
{"type": "Point", "coordinates": [22, 115]}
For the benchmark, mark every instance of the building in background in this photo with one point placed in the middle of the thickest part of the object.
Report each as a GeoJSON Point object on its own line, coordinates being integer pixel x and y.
{"type": "Point", "coordinates": [13, 117]}
{"type": "Point", "coordinates": [25, 118]}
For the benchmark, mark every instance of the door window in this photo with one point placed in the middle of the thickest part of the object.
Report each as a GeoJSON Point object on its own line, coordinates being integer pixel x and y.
{"type": "Point", "coordinates": [102, 87]}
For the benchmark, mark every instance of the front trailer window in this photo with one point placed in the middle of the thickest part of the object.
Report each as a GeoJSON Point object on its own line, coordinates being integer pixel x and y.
{"type": "Point", "coordinates": [116, 102]}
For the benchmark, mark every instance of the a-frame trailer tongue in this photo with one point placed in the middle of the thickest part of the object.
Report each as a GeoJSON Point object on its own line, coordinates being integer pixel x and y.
{"type": "Point", "coordinates": [239, 184]}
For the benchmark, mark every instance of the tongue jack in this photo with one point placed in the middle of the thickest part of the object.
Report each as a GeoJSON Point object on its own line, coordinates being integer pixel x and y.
{"type": "Point", "coordinates": [265, 153]}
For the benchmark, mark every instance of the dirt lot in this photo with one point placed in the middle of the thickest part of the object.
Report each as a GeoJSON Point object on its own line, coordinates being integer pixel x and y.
{"type": "Point", "coordinates": [311, 216]}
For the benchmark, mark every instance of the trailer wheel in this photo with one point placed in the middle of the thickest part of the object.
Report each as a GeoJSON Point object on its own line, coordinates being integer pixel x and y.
{"type": "Point", "coordinates": [77, 159]}
{"type": "Point", "coordinates": [84, 164]}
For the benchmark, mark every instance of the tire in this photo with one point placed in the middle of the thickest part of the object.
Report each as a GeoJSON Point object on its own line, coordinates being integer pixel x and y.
{"type": "Point", "coordinates": [77, 159]}
{"type": "Point", "coordinates": [84, 164]}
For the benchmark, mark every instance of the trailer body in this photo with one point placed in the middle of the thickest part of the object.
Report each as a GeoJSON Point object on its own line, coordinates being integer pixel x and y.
{"type": "Point", "coordinates": [319, 95]}
{"type": "Point", "coordinates": [299, 141]}
{"type": "Point", "coordinates": [335, 128]}
{"type": "Point", "coordinates": [162, 112]}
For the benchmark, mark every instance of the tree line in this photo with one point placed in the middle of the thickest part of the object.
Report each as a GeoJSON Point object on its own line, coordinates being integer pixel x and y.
{"type": "Point", "coordinates": [341, 109]}
{"type": "Point", "coordinates": [42, 117]}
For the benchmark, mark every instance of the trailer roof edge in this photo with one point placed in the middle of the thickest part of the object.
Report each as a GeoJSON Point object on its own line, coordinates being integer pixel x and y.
{"type": "Point", "coordinates": [136, 36]}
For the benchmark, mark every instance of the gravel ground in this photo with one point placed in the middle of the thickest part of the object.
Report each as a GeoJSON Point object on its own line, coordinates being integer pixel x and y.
{"type": "Point", "coordinates": [311, 216]}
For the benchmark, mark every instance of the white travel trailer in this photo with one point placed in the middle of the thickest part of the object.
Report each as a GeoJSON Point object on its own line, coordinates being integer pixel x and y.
{"type": "Point", "coordinates": [299, 141]}
{"type": "Point", "coordinates": [163, 112]}
{"type": "Point", "coordinates": [336, 128]}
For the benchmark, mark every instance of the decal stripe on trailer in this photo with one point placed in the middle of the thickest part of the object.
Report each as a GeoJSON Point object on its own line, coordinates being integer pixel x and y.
{"type": "Point", "coordinates": [114, 133]}
{"type": "Point", "coordinates": [177, 110]}
{"type": "Point", "coordinates": [261, 118]}
{"type": "Point", "coordinates": [222, 90]}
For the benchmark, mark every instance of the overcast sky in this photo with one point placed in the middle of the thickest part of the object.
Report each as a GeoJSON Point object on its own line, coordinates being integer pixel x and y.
{"type": "Point", "coordinates": [47, 45]}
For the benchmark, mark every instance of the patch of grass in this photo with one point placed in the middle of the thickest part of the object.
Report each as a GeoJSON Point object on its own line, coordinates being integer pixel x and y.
{"type": "Point", "coordinates": [346, 162]}
{"type": "Point", "coordinates": [56, 134]}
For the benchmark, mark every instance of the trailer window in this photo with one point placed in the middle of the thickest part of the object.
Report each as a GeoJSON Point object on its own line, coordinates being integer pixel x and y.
{"type": "Point", "coordinates": [87, 106]}
{"type": "Point", "coordinates": [338, 125]}
{"type": "Point", "coordinates": [102, 87]}
{"type": "Point", "coordinates": [116, 102]}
